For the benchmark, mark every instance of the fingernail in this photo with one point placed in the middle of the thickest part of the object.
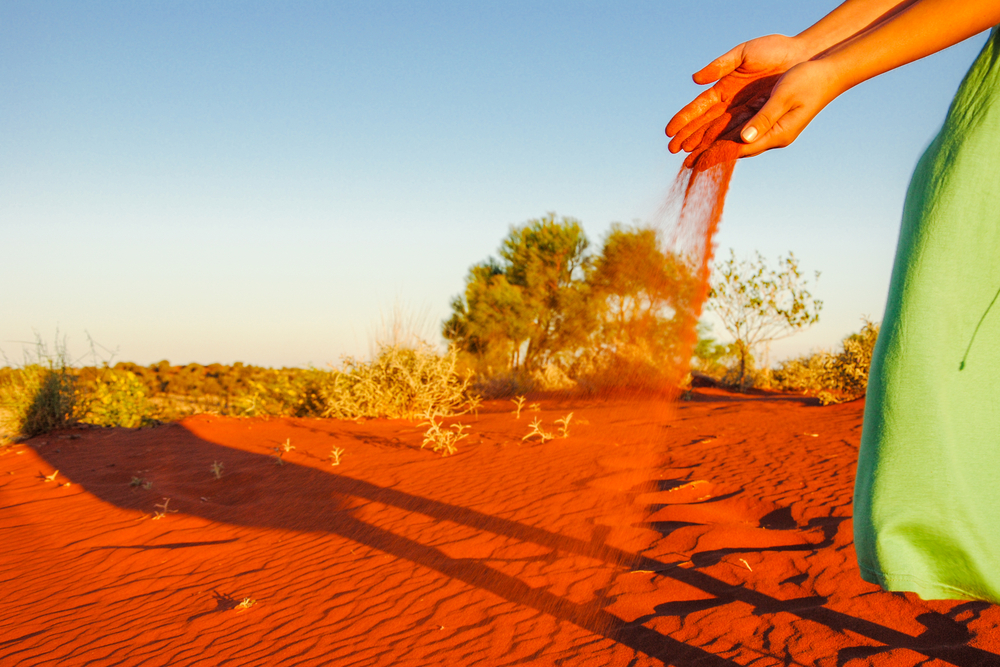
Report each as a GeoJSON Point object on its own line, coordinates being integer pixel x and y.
{"type": "Point", "coordinates": [749, 134]}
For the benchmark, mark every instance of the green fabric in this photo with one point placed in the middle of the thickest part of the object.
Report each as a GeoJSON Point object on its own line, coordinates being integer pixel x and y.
{"type": "Point", "coordinates": [927, 495]}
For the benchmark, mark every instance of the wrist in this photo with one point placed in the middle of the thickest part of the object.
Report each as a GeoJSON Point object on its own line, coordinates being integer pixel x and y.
{"type": "Point", "coordinates": [809, 44]}
{"type": "Point", "coordinates": [837, 70]}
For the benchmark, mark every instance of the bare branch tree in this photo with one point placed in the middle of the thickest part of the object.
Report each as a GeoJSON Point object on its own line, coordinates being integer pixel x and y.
{"type": "Point", "coordinates": [758, 305]}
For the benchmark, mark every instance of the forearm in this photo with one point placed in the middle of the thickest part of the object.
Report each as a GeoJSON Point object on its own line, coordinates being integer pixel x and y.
{"type": "Point", "coordinates": [849, 19]}
{"type": "Point", "coordinates": [917, 30]}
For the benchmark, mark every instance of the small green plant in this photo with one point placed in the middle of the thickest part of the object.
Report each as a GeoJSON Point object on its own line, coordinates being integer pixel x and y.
{"type": "Point", "coordinates": [564, 425]}
{"type": "Point", "coordinates": [335, 455]}
{"type": "Point", "coordinates": [245, 604]}
{"type": "Point", "coordinates": [536, 429]}
{"type": "Point", "coordinates": [139, 481]}
{"type": "Point", "coordinates": [441, 439]}
{"type": "Point", "coordinates": [535, 407]}
{"type": "Point", "coordinates": [518, 405]}
{"type": "Point", "coordinates": [50, 478]}
{"type": "Point", "coordinates": [216, 468]}
{"type": "Point", "coordinates": [281, 450]}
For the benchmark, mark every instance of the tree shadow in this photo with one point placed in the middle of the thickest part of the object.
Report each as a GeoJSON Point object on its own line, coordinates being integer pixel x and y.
{"type": "Point", "coordinates": [323, 501]}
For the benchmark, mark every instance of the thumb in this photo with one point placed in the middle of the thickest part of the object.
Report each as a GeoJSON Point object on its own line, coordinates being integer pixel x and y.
{"type": "Point", "coordinates": [720, 67]}
{"type": "Point", "coordinates": [763, 120]}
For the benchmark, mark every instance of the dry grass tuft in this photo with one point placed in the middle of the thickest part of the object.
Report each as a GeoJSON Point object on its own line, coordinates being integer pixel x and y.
{"type": "Point", "coordinates": [400, 383]}
{"type": "Point", "coordinates": [536, 429]}
{"type": "Point", "coordinates": [564, 425]}
{"type": "Point", "coordinates": [440, 439]}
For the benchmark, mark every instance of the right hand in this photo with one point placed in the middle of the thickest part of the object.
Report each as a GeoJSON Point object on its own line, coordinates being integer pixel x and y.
{"type": "Point", "coordinates": [795, 99]}
{"type": "Point", "coordinates": [732, 95]}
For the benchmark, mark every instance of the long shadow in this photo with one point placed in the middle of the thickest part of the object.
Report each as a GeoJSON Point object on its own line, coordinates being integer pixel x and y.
{"type": "Point", "coordinates": [292, 510]}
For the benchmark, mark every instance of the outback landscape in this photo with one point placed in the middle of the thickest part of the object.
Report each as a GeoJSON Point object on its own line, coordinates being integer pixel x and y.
{"type": "Point", "coordinates": [712, 531]}
{"type": "Point", "coordinates": [548, 491]}
{"type": "Point", "coordinates": [597, 452]}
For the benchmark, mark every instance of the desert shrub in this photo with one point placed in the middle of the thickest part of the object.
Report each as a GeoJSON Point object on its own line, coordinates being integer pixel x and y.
{"type": "Point", "coordinates": [115, 397]}
{"type": "Point", "coordinates": [746, 375]}
{"type": "Point", "coordinates": [288, 392]}
{"type": "Point", "coordinates": [552, 377]}
{"type": "Point", "coordinates": [400, 382]}
{"type": "Point", "coordinates": [35, 399]}
{"type": "Point", "coordinates": [832, 377]}
{"type": "Point", "coordinates": [503, 384]}
{"type": "Point", "coordinates": [174, 392]}
{"type": "Point", "coordinates": [404, 380]}
{"type": "Point", "coordinates": [627, 368]}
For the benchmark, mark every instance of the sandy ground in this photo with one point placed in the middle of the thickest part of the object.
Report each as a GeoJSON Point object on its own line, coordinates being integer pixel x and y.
{"type": "Point", "coordinates": [713, 532]}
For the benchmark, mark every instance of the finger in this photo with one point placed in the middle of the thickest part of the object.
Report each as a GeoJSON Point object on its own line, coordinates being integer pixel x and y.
{"type": "Point", "coordinates": [762, 122]}
{"type": "Point", "coordinates": [715, 129]}
{"type": "Point", "coordinates": [694, 139]}
{"type": "Point", "coordinates": [696, 126]}
{"type": "Point", "coordinates": [720, 67]}
{"type": "Point", "coordinates": [696, 107]}
{"type": "Point", "coordinates": [712, 132]}
{"type": "Point", "coordinates": [783, 132]}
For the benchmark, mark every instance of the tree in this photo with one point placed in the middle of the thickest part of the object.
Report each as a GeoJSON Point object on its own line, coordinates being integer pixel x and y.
{"type": "Point", "coordinates": [758, 305]}
{"type": "Point", "coordinates": [641, 294]}
{"type": "Point", "coordinates": [532, 302]}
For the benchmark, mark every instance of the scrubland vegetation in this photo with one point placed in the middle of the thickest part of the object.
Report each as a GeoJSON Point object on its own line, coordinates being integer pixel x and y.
{"type": "Point", "coordinates": [547, 315]}
{"type": "Point", "coordinates": [401, 382]}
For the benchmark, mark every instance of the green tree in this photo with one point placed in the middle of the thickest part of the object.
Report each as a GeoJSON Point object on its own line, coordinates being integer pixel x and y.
{"type": "Point", "coordinates": [758, 305]}
{"type": "Point", "coordinates": [530, 304]}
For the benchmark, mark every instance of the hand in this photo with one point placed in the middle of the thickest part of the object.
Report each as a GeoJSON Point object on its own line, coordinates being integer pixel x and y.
{"type": "Point", "coordinates": [753, 62]}
{"type": "Point", "coordinates": [801, 93]}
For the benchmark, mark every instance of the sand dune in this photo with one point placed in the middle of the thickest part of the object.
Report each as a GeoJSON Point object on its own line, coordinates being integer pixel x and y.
{"type": "Point", "coordinates": [713, 532]}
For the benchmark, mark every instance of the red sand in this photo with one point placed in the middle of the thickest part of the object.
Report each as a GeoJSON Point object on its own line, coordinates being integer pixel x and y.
{"type": "Point", "coordinates": [719, 534]}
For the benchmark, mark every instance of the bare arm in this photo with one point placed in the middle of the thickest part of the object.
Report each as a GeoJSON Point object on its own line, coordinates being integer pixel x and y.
{"type": "Point", "coordinates": [848, 20]}
{"type": "Point", "coordinates": [917, 30]}
{"type": "Point", "coordinates": [771, 56]}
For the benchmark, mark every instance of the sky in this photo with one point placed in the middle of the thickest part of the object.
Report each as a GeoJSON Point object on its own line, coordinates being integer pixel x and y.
{"type": "Point", "coordinates": [265, 182]}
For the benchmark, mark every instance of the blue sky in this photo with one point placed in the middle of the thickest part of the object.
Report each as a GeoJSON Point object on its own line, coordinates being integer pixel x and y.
{"type": "Point", "coordinates": [260, 182]}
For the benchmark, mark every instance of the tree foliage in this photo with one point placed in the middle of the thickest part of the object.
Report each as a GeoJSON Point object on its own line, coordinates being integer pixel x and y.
{"type": "Point", "coordinates": [758, 305]}
{"type": "Point", "coordinates": [522, 308]}
{"type": "Point", "coordinates": [549, 303]}
{"type": "Point", "coordinates": [638, 290]}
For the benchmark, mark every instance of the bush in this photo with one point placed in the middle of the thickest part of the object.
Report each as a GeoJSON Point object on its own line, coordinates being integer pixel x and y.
{"type": "Point", "coordinates": [402, 382]}
{"type": "Point", "coordinates": [36, 399]}
{"type": "Point", "coordinates": [491, 385]}
{"type": "Point", "coordinates": [405, 380]}
{"type": "Point", "coordinates": [832, 377]}
{"type": "Point", "coordinates": [116, 398]}
{"type": "Point", "coordinates": [286, 391]}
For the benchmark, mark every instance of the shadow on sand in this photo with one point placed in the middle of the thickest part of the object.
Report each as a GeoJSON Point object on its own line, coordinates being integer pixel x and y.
{"type": "Point", "coordinates": [291, 510]}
